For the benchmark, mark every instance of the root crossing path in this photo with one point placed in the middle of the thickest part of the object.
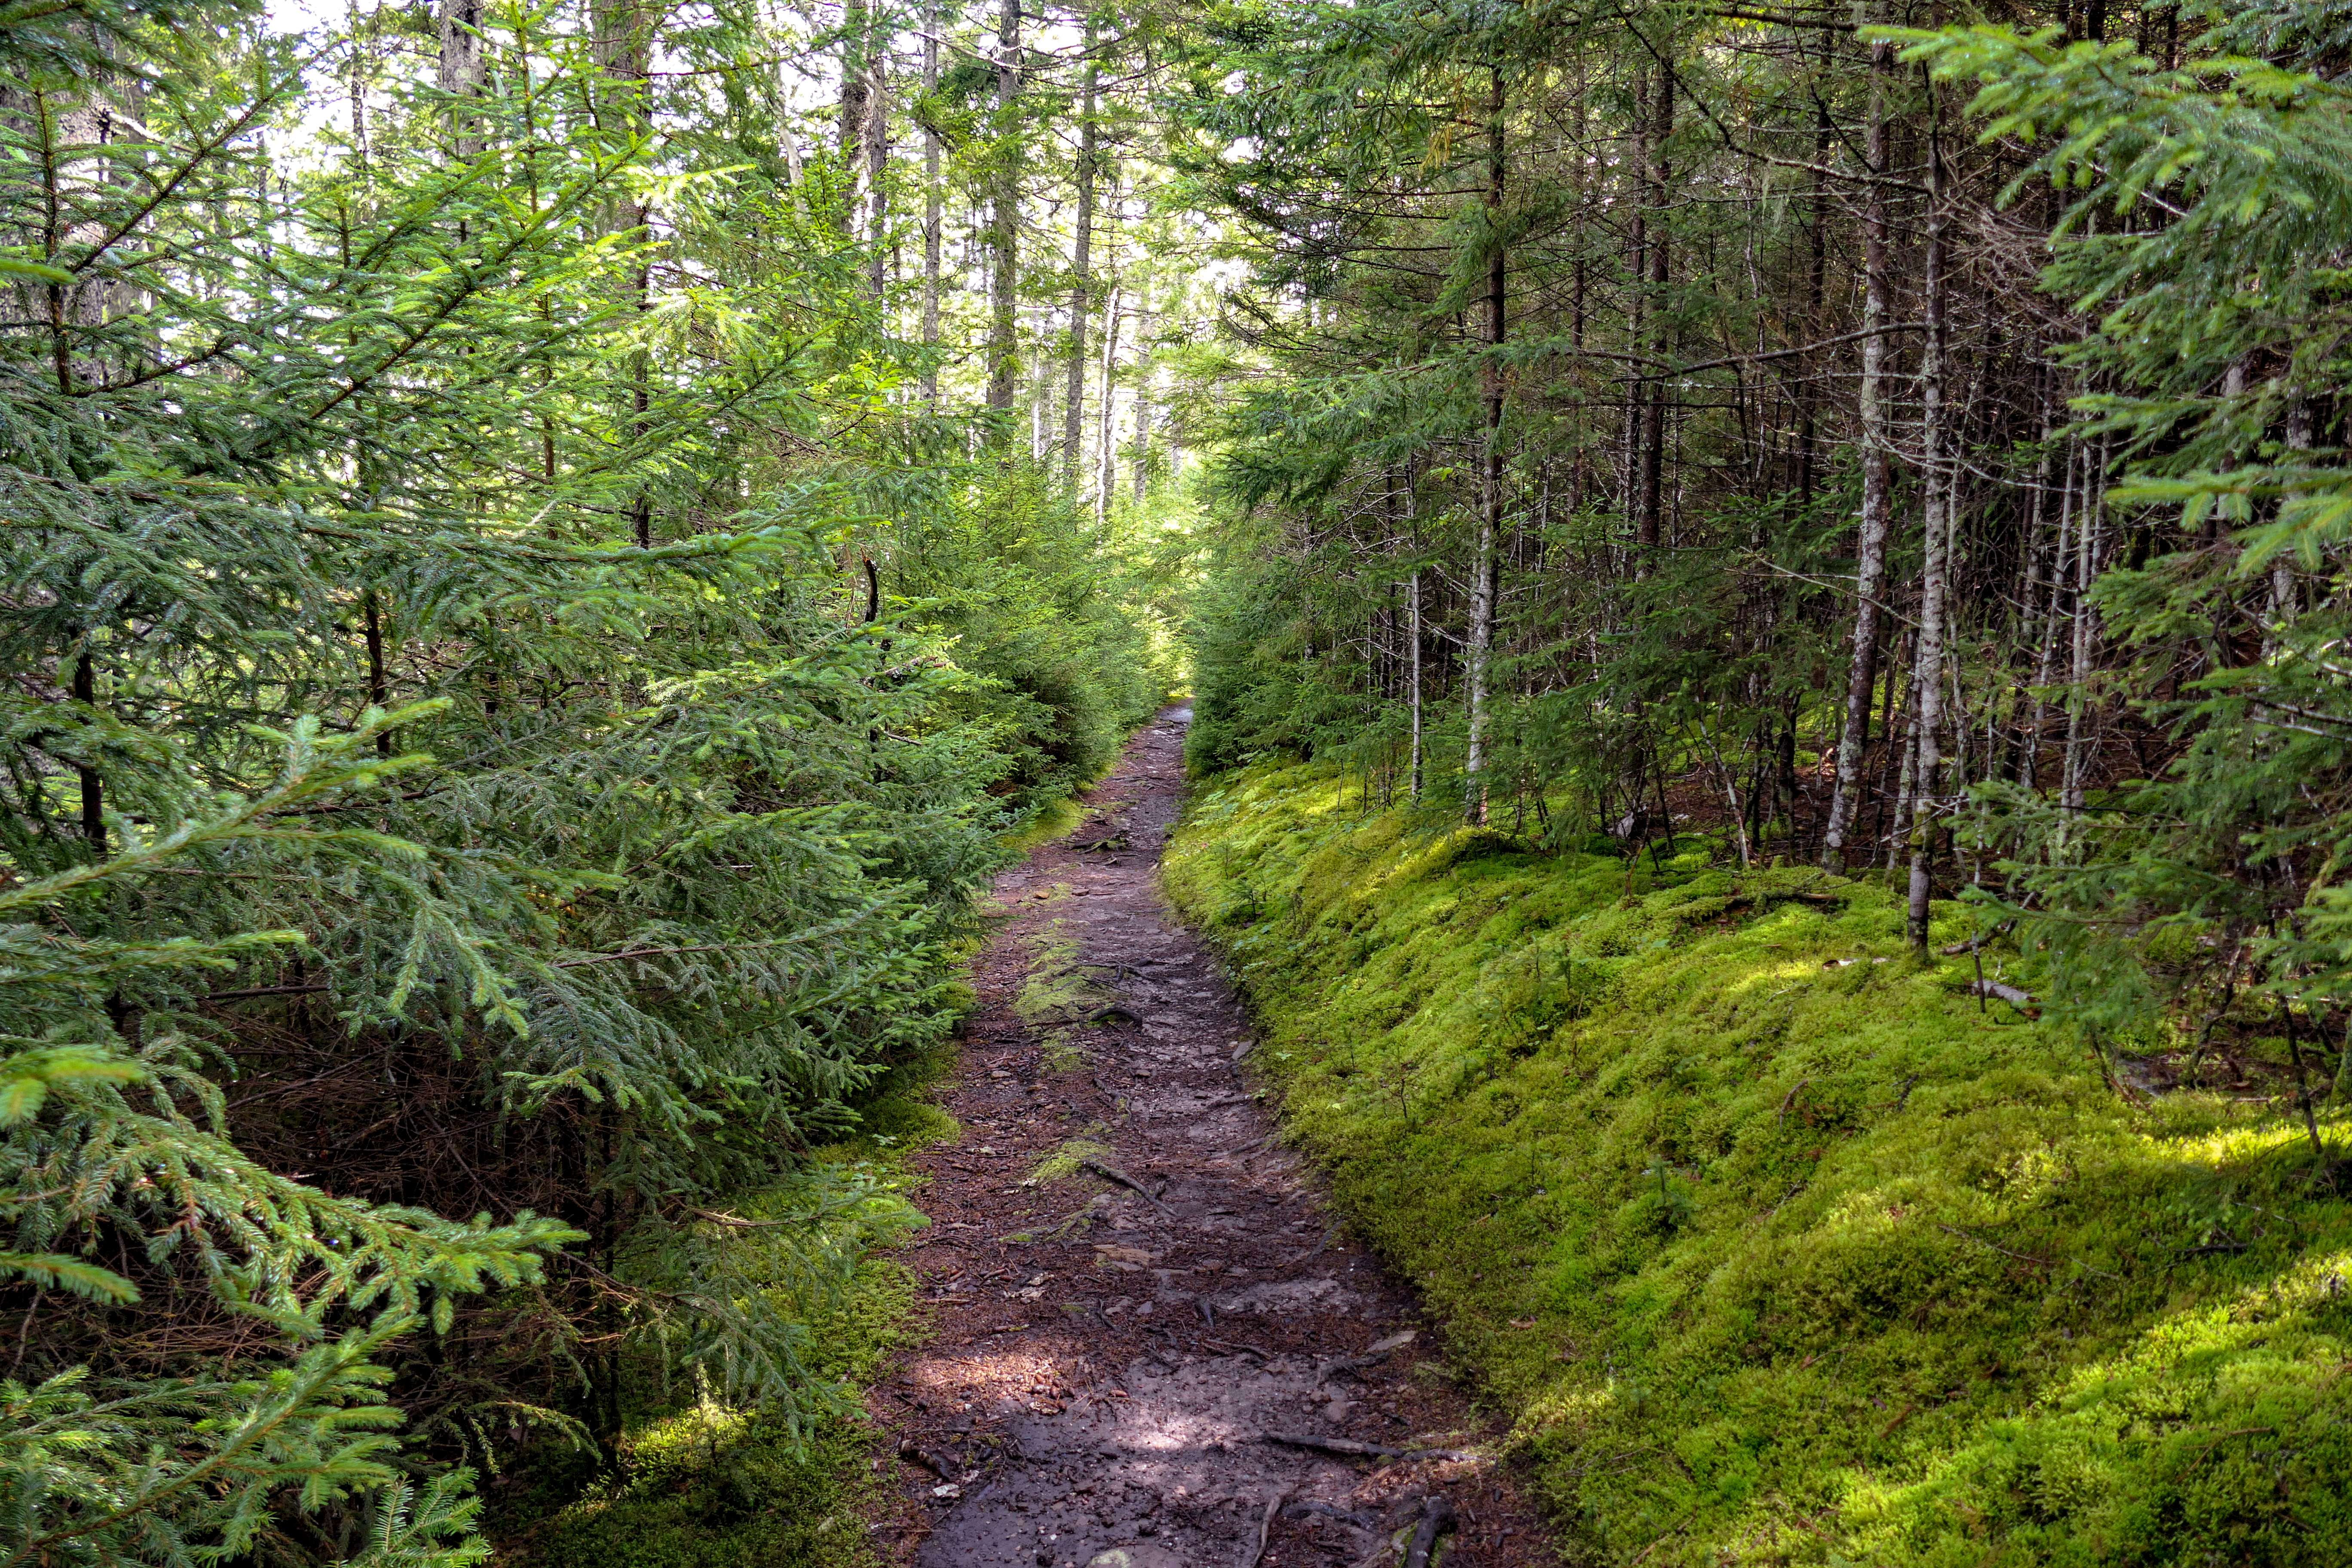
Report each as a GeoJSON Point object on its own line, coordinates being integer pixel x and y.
{"type": "Point", "coordinates": [1150, 1345]}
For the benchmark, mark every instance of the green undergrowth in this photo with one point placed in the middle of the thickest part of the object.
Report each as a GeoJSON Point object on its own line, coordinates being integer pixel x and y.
{"type": "Point", "coordinates": [706, 1484]}
{"type": "Point", "coordinates": [1778, 1262]}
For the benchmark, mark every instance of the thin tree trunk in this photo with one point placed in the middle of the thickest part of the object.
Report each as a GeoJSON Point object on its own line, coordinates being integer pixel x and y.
{"type": "Point", "coordinates": [875, 137]}
{"type": "Point", "coordinates": [1660, 255]}
{"type": "Point", "coordinates": [1869, 552]}
{"type": "Point", "coordinates": [2045, 668]}
{"type": "Point", "coordinates": [1140, 467]}
{"type": "Point", "coordinates": [1936, 573]}
{"type": "Point", "coordinates": [2078, 699]}
{"type": "Point", "coordinates": [624, 56]}
{"type": "Point", "coordinates": [1004, 220]}
{"type": "Point", "coordinates": [84, 687]}
{"type": "Point", "coordinates": [931, 212]}
{"type": "Point", "coordinates": [1412, 512]}
{"type": "Point", "coordinates": [1490, 486]}
{"type": "Point", "coordinates": [1082, 281]}
{"type": "Point", "coordinates": [1103, 449]}
{"type": "Point", "coordinates": [863, 133]}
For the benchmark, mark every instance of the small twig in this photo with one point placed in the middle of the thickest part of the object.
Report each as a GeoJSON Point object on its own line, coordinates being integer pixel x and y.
{"type": "Point", "coordinates": [2005, 1252]}
{"type": "Point", "coordinates": [2207, 1451]}
{"type": "Point", "coordinates": [1243, 1350]}
{"type": "Point", "coordinates": [1256, 1547]}
{"type": "Point", "coordinates": [1675, 1529]}
{"type": "Point", "coordinates": [1792, 1099]}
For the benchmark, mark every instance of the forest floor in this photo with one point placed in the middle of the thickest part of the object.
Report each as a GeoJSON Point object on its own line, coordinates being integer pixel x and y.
{"type": "Point", "coordinates": [1147, 1343]}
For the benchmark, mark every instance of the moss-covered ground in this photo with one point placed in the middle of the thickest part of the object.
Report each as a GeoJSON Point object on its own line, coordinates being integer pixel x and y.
{"type": "Point", "coordinates": [1778, 1245]}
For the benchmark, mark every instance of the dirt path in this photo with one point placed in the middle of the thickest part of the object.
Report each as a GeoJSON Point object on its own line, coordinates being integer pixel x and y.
{"type": "Point", "coordinates": [1109, 1368]}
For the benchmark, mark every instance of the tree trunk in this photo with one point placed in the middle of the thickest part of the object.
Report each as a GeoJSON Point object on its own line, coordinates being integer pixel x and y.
{"type": "Point", "coordinates": [1936, 573]}
{"type": "Point", "coordinates": [931, 212]}
{"type": "Point", "coordinates": [1073, 417]}
{"type": "Point", "coordinates": [2086, 568]}
{"type": "Point", "coordinates": [1004, 221]}
{"type": "Point", "coordinates": [459, 71]}
{"type": "Point", "coordinates": [1869, 552]}
{"type": "Point", "coordinates": [1490, 481]}
{"type": "Point", "coordinates": [84, 687]}
{"type": "Point", "coordinates": [1104, 452]}
{"type": "Point", "coordinates": [624, 56]}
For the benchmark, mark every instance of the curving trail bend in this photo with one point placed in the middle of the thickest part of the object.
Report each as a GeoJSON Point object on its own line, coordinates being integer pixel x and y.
{"type": "Point", "coordinates": [1110, 1368]}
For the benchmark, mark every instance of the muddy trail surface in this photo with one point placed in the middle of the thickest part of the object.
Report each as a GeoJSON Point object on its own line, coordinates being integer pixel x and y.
{"type": "Point", "coordinates": [1150, 1345]}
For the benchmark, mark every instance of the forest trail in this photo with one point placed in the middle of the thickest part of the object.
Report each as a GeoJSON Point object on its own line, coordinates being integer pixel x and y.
{"type": "Point", "coordinates": [1103, 1373]}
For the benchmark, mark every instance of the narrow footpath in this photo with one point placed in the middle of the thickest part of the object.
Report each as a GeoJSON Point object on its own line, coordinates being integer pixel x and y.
{"type": "Point", "coordinates": [1148, 1343]}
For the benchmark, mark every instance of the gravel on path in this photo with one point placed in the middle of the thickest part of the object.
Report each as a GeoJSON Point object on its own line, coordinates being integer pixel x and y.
{"type": "Point", "coordinates": [1170, 1354]}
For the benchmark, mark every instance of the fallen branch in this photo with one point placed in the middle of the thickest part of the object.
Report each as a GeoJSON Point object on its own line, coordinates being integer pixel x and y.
{"type": "Point", "coordinates": [1436, 1516]}
{"type": "Point", "coordinates": [1792, 1099]}
{"type": "Point", "coordinates": [1364, 1451]}
{"type": "Point", "coordinates": [2020, 1000]}
{"type": "Point", "coordinates": [1372, 1357]}
{"type": "Point", "coordinates": [1111, 1172]}
{"type": "Point", "coordinates": [1243, 1350]}
{"type": "Point", "coordinates": [1331, 1511]}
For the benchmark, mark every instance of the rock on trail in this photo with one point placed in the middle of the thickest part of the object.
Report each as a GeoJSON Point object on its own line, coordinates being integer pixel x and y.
{"type": "Point", "coordinates": [1167, 1354]}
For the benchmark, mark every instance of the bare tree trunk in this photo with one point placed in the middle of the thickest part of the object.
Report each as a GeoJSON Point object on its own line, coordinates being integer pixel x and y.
{"type": "Point", "coordinates": [856, 81]}
{"type": "Point", "coordinates": [84, 688]}
{"type": "Point", "coordinates": [1654, 414]}
{"type": "Point", "coordinates": [623, 49]}
{"type": "Point", "coordinates": [1646, 416]}
{"type": "Point", "coordinates": [1105, 454]}
{"type": "Point", "coordinates": [865, 136]}
{"type": "Point", "coordinates": [1140, 467]}
{"type": "Point", "coordinates": [931, 212]}
{"type": "Point", "coordinates": [1490, 483]}
{"type": "Point", "coordinates": [2282, 602]}
{"type": "Point", "coordinates": [875, 137]}
{"type": "Point", "coordinates": [1004, 220]}
{"type": "Point", "coordinates": [459, 72]}
{"type": "Point", "coordinates": [2045, 668]}
{"type": "Point", "coordinates": [1870, 550]}
{"type": "Point", "coordinates": [1082, 282]}
{"type": "Point", "coordinates": [1934, 576]}
{"type": "Point", "coordinates": [2086, 568]}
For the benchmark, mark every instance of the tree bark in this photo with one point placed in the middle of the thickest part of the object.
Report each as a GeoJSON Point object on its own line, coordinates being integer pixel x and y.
{"type": "Point", "coordinates": [931, 212]}
{"type": "Point", "coordinates": [1870, 549]}
{"type": "Point", "coordinates": [1936, 573]}
{"type": "Point", "coordinates": [1490, 480]}
{"type": "Point", "coordinates": [2070, 784]}
{"type": "Point", "coordinates": [1074, 416]}
{"type": "Point", "coordinates": [1004, 221]}
{"type": "Point", "coordinates": [623, 49]}
{"type": "Point", "coordinates": [458, 72]}
{"type": "Point", "coordinates": [84, 687]}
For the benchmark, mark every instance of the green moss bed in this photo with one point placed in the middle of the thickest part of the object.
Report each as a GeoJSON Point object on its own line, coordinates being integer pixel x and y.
{"type": "Point", "coordinates": [1776, 1245]}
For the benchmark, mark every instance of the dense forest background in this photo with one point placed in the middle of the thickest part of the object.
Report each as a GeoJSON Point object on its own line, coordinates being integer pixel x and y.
{"type": "Point", "coordinates": [1868, 446]}
{"type": "Point", "coordinates": [549, 547]}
